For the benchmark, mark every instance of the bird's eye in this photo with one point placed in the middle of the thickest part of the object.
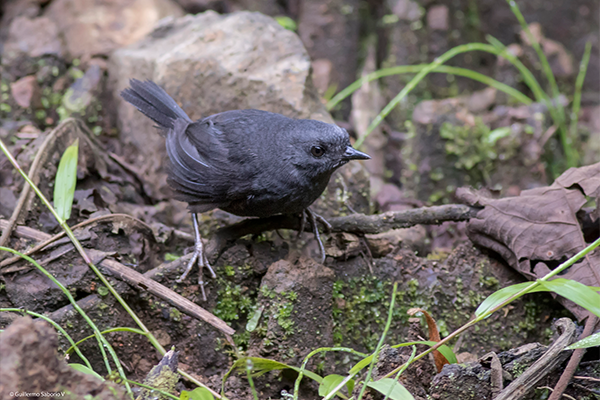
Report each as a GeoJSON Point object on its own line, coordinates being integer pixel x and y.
{"type": "Point", "coordinates": [317, 151]}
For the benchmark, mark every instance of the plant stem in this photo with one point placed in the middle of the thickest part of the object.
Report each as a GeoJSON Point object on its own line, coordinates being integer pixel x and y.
{"type": "Point", "coordinates": [380, 344]}
{"type": "Point", "coordinates": [310, 355]}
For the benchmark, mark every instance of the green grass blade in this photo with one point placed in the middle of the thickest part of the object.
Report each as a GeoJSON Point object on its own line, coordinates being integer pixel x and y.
{"type": "Point", "coordinates": [117, 329]}
{"type": "Point", "coordinates": [590, 341]}
{"type": "Point", "coordinates": [445, 350]}
{"type": "Point", "coordinates": [85, 370]}
{"type": "Point", "coordinates": [413, 69]}
{"type": "Point", "coordinates": [528, 78]}
{"type": "Point", "coordinates": [330, 382]}
{"type": "Point", "coordinates": [313, 353]}
{"type": "Point", "coordinates": [261, 366]}
{"type": "Point", "coordinates": [540, 53]}
{"type": "Point", "coordinates": [577, 95]}
{"type": "Point", "coordinates": [389, 387]}
{"type": "Point", "coordinates": [380, 343]}
{"type": "Point", "coordinates": [429, 68]}
{"type": "Point", "coordinates": [577, 292]}
{"type": "Point", "coordinates": [66, 179]}
{"type": "Point", "coordinates": [102, 342]}
{"type": "Point", "coordinates": [500, 296]}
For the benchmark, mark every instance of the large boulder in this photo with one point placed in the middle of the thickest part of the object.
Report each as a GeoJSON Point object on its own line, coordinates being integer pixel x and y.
{"type": "Point", "coordinates": [211, 63]}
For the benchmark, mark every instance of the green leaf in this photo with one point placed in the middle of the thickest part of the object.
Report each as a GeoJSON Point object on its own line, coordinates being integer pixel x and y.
{"type": "Point", "coordinates": [590, 341]}
{"type": "Point", "coordinates": [199, 393]}
{"type": "Point", "coordinates": [445, 350]}
{"type": "Point", "coordinates": [261, 366]}
{"type": "Point", "coordinates": [253, 322]}
{"type": "Point", "coordinates": [395, 389]}
{"type": "Point", "coordinates": [503, 294]}
{"type": "Point", "coordinates": [498, 134]}
{"type": "Point", "coordinates": [577, 292]}
{"type": "Point", "coordinates": [330, 382]}
{"type": "Point", "coordinates": [286, 22]}
{"type": "Point", "coordinates": [85, 370]}
{"type": "Point", "coordinates": [500, 296]}
{"type": "Point", "coordinates": [66, 179]}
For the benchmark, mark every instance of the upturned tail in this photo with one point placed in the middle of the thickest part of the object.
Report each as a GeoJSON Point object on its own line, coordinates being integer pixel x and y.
{"type": "Point", "coordinates": [154, 102]}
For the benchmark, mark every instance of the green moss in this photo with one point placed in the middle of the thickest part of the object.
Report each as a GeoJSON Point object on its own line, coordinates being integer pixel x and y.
{"type": "Point", "coordinates": [175, 314]}
{"type": "Point", "coordinates": [359, 306]}
{"type": "Point", "coordinates": [283, 311]}
{"type": "Point", "coordinates": [229, 270]}
{"type": "Point", "coordinates": [475, 148]}
{"type": "Point", "coordinates": [232, 302]}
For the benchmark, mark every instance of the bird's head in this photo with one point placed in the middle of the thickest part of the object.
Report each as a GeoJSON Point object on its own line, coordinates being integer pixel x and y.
{"type": "Point", "coordinates": [320, 148]}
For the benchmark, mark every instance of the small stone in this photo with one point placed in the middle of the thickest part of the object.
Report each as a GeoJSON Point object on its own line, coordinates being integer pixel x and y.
{"type": "Point", "coordinates": [482, 100]}
{"type": "Point", "coordinates": [406, 10]}
{"type": "Point", "coordinates": [163, 338]}
{"type": "Point", "coordinates": [437, 18]}
{"type": "Point", "coordinates": [384, 243]}
{"type": "Point", "coordinates": [26, 91]}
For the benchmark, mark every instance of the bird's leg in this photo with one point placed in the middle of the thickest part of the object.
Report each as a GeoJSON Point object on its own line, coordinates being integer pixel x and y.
{"type": "Point", "coordinates": [314, 217]}
{"type": "Point", "coordinates": [322, 220]}
{"type": "Point", "coordinates": [302, 224]}
{"type": "Point", "coordinates": [199, 256]}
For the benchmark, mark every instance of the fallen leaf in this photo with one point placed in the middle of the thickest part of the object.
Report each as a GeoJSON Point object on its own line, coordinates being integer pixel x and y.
{"type": "Point", "coordinates": [537, 230]}
{"type": "Point", "coordinates": [434, 336]}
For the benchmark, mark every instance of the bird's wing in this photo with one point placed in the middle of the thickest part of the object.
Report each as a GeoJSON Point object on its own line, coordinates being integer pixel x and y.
{"type": "Point", "coordinates": [198, 167]}
{"type": "Point", "coordinates": [221, 158]}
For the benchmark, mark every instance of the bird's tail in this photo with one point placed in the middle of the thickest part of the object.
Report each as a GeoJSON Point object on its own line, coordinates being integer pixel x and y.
{"type": "Point", "coordinates": [154, 102]}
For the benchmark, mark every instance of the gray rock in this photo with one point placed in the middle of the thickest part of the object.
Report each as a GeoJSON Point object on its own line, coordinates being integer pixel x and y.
{"type": "Point", "coordinates": [97, 27]}
{"type": "Point", "coordinates": [296, 303]}
{"type": "Point", "coordinates": [31, 37]}
{"type": "Point", "coordinates": [211, 63]}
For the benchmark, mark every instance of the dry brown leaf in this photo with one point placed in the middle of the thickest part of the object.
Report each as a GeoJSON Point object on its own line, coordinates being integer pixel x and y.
{"type": "Point", "coordinates": [434, 336]}
{"type": "Point", "coordinates": [540, 227]}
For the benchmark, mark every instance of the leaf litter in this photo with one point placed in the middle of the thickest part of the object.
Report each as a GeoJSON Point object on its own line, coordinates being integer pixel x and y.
{"type": "Point", "coordinates": [537, 230]}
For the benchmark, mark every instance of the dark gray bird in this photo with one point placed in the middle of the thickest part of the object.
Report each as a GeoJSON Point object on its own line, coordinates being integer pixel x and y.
{"type": "Point", "coordinates": [247, 162]}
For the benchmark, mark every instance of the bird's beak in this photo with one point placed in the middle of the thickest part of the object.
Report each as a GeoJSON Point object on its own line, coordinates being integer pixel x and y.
{"type": "Point", "coordinates": [352, 154]}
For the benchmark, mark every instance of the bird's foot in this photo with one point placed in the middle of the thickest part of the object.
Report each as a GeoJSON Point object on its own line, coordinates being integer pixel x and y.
{"type": "Point", "coordinates": [314, 217]}
{"type": "Point", "coordinates": [199, 257]}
